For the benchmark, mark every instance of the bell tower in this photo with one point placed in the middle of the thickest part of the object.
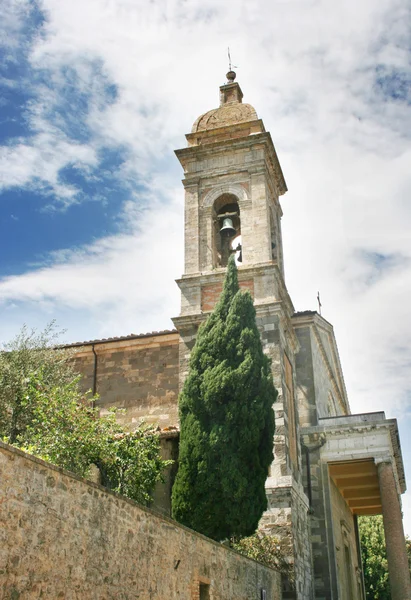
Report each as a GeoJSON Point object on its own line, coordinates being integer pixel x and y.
{"type": "Point", "coordinates": [232, 179]}
{"type": "Point", "coordinates": [233, 183]}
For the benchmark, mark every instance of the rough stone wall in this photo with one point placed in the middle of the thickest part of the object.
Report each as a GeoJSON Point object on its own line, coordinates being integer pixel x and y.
{"type": "Point", "coordinates": [64, 537]}
{"type": "Point", "coordinates": [277, 521]}
{"type": "Point", "coordinates": [274, 344]}
{"type": "Point", "coordinates": [287, 518]}
{"type": "Point", "coordinates": [302, 545]}
{"type": "Point", "coordinates": [140, 376]}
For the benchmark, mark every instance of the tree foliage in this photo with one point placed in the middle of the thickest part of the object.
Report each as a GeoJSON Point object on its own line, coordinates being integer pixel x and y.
{"type": "Point", "coordinates": [374, 558]}
{"type": "Point", "coordinates": [227, 422]}
{"type": "Point", "coordinates": [29, 355]}
{"type": "Point", "coordinates": [268, 550]}
{"type": "Point", "coordinates": [43, 411]}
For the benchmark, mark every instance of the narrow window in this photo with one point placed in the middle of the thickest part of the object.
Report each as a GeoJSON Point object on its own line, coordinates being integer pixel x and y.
{"type": "Point", "coordinates": [274, 241]}
{"type": "Point", "coordinates": [348, 571]}
{"type": "Point", "coordinates": [204, 591]}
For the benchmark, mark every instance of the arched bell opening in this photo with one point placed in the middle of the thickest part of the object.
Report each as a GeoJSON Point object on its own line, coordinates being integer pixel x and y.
{"type": "Point", "coordinates": [227, 230]}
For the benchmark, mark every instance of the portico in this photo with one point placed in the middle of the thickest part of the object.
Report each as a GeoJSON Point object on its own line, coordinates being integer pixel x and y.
{"type": "Point", "coordinates": [361, 458]}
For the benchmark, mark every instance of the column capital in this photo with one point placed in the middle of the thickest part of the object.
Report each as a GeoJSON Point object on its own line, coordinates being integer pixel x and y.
{"type": "Point", "coordinates": [383, 459]}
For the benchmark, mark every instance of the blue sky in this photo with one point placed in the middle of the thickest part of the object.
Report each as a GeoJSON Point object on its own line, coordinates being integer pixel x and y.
{"type": "Point", "coordinates": [95, 96]}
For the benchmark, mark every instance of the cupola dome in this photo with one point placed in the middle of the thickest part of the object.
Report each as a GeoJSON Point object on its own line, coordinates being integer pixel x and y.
{"type": "Point", "coordinates": [231, 110]}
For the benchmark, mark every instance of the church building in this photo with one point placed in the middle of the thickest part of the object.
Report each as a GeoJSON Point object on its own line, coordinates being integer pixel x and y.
{"type": "Point", "coordinates": [329, 466]}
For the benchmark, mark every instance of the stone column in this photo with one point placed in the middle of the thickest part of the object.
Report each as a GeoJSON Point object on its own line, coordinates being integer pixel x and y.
{"type": "Point", "coordinates": [394, 534]}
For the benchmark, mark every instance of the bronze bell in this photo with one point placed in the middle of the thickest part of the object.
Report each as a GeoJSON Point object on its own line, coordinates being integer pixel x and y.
{"type": "Point", "coordinates": [227, 229]}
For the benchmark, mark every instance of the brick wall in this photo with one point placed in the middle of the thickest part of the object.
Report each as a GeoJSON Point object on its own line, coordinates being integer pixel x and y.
{"type": "Point", "coordinates": [211, 293]}
{"type": "Point", "coordinates": [64, 537]}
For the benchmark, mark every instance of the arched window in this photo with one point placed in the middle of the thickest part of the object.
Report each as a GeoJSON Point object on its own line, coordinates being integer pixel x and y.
{"type": "Point", "coordinates": [227, 230]}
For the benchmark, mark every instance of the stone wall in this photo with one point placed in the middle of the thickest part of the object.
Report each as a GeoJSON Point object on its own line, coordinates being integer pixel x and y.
{"type": "Point", "coordinates": [64, 537]}
{"type": "Point", "coordinates": [321, 534]}
{"type": "Point", "coordinates": [321, 388]}
{"type": "Point", "coordinates": [307, 409]}
{"type": "Point", "coordinates": [287, 519]}
{"type": "Point", "coordinates": [139, 375]}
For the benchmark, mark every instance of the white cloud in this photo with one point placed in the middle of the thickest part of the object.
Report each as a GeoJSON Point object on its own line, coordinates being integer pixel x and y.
{"type": "Point", "coordinates": [37, 164]}
{"type": "Point", "coordinates": [123, 282]}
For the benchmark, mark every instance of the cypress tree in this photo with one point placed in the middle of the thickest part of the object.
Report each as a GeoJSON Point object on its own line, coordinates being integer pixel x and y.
{"type": "Point", "coordinates": [227, 422]}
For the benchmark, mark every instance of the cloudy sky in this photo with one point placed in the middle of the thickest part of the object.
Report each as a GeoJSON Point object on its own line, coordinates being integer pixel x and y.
{"type": "Point", "coordinates": [96, 94]}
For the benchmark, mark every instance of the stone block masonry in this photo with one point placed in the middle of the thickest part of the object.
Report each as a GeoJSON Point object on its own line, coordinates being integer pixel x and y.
{"type": "Point", "coordinates": [62, 537]}
{"type": "Point", "coordinates": [139, 375]}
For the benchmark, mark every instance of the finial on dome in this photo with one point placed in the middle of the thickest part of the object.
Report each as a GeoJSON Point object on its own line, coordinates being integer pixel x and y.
{"type": "Point", "coordinates": [230, 92]}
{"type": "Point", "coordinates": [231, 75]}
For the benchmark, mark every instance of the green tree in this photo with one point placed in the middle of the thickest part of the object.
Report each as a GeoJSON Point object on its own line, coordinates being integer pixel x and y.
{"type": "Point", "coordinates": [227, 422]}
{"type": "Point", "coordinates": [374, 558]}
{"type": "Point", "coordinates": [44, 412]}
{"type": "Point", "coordinates": [29, 354]}
{"type": "Point", "coordinates": [268, 550]}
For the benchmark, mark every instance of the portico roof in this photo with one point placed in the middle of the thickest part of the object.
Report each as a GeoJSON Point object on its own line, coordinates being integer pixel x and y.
{"type": "Point", "coordinates": [352, 446]}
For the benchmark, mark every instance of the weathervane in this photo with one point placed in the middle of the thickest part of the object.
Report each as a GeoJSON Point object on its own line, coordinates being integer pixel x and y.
{"type": "Point", "coordinates": [319, 302]}
{"type": "Point", "coordinates": [230, 66]}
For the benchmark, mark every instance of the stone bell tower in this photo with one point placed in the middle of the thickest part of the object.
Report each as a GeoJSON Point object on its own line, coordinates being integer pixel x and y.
{"type": "Point", "coordinates": [233, 183]}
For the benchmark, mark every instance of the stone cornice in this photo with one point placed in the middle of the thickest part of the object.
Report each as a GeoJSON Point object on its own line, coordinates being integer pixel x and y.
{"type": "Point", "coordinates": [264, 309]}
{"type": "Point", "coordinates": [307, 318]}
{"type": "Point", "coordinates": [201, 152]}
{"type": "Point", "coordinates": [191, 320]}
{"type": "Point", "coordinates": [244, 272]}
